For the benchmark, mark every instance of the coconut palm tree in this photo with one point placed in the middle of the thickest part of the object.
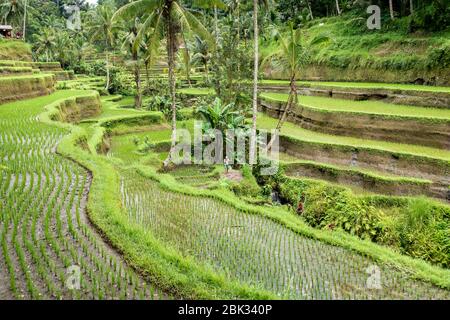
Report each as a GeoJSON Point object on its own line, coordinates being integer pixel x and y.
{"type": "Point", "coordinates": [63, 48]}
{"type": "Point", "coordinates": [201, 53]}
{"type": "Point", "coordinates": [295, 52]}
{"type": "Point", "coordinates": [186, 62]}
{"type": "Point", "coordinates": [12, 11]}
{"type": "Point", "coordinates": [133, 48]}
{"type": "Point", "coordinates": [165, 19]}
{"type": "Point", "coordinates": [103, 29]}
{"type": "Point", "coordinates": [45, 43]}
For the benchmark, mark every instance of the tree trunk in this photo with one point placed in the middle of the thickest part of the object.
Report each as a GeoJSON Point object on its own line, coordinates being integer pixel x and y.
{"type": "Point", "coordinates": [255, 85]}
{"type": "Point", "coordinates": [172, 85]}
{"type": "Point", "coordinates": [216, 24]}
{"type": "Point", "coordinates": [107, 71]}
{"type": "Point", "coordinates": [206, 70]}
{"type": "Point", "coordinates": [291, 101]}
{"type": "Point", "coordinates": [310, 10]}
{"type": "Point", "coordinates": [147, 75]}
{"type": "Point", "coordinates": [25, 20]}
{"type": "Point", "coordinates": [137, 79]}
{"type": "Point", "coordinates": [338, 9]}
{"type": "Point", "coordinates": [411, 6]}
{"type": "Point", "coordinates": [391, 9]}
{"type": "Point", "coordinates": [238, 14]}
{"type": "Point", "coordinates": [187, 60]}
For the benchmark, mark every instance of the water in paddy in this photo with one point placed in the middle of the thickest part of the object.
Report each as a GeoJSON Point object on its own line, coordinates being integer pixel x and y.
{"type": "Point", "coordinates": [261, 252]}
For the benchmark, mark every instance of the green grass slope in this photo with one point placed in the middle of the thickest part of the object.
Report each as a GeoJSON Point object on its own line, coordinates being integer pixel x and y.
{"type": "Point", "coordinates": [14, 50]}
{"type": "Point", "coordinates": [356, 53]}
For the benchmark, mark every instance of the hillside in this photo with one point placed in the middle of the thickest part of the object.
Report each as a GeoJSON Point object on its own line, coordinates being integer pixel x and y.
{"type": "Point", "coordinates": [392, 54]}
{"type": "Point", "coordinates": [14, 50]}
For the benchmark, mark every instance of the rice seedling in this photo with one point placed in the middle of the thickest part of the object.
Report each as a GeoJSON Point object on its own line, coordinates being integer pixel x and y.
{"type": "Point", "coordinates": [368, 107]}
{"type": "Point", "coordinates": [43, 223]}
{"type": "Point", "coordinates": [258, 251]}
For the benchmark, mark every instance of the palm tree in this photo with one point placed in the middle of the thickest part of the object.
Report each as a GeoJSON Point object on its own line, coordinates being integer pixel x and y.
{"type": "Point", "coordinates": [62, 49]}
{"type": "Point", "coordinates": [12, 11]}
{"type": "Point", "coordinates": [45, 42]}
{"type": "Point", "coordinates": [131, 45]}
{"type": "Point", "coordinates": [165, 18]}
{"type": "Point", "coordinates": [201, 53]}
{"type": "Point", "coordinates": [186, 62]}
{"type": "Point", "coordinates": [294, 53]}
{"type": "Point", "coordinates": [103, 29]}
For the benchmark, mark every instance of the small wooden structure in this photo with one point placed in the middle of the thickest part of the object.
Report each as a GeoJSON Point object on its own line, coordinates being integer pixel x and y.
{"type": "Point", "coordinates": [6, 31]}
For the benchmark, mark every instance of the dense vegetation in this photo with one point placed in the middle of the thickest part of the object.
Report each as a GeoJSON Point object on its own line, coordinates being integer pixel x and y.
{"type": "Point", "coordinates": [359, 131]}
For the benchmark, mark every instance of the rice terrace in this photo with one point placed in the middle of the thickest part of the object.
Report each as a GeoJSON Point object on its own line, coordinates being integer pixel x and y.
{"type": "Point", "coordinates": [224, 150]}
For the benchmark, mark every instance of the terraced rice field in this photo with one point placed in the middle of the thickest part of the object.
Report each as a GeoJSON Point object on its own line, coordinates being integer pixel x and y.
{"type": "Point", "coordinates": [44, 229]}
{"type": "Point", "coordinates": [290, 129]}
{"type": "Point", "coordinates": [367, 107]}
{"type": "Point", "coordinates": [361, 85]}
{"type": "Point", "coordinates": [258, 251]}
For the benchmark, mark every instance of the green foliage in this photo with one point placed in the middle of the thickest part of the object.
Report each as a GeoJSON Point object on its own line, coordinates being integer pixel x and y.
{"type": "Point", "coordinates": [330, 207]}
{"type": "Point", "coordinates": [120, 83]}
{"type": "Point", "coordinates": [424, 232]}
{"type": "Point", "coordinates": [220, 116]}
{"type": "Point", "coordinates": [247, 187]}
{"type": "Point", "coordinates": [417, 227]}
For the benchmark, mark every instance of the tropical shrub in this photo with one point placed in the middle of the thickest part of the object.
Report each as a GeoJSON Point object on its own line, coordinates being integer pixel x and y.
{"type": "Point", "coordinates": [247, 187]}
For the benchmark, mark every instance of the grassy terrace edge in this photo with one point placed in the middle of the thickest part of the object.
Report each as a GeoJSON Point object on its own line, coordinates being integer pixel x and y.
{"type": "Point", "coordinates": [359, 85]}
{"type": "Point", "coordinates": [170, 270]}
{"type": "Point", "coordinates": [182, 275]}
{"type": "Point", "coordinates": [281, 97]}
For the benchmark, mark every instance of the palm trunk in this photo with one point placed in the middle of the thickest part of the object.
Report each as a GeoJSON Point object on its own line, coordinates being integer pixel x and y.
{"type": "Point", "coordinates": [137, 79]}
{"type": "Point", "coordinates": [187, 59]}
{"type": "Point", "coordinates": [310, 10]}
{"type": "Point", "coordinates": [338, 9]}
{"type": "Point", "coordinates": [291, 101]}
{"type": "Point", "coordinates": [147, 75]}
{"type": "Point", "coordinates": [107, 71]}
{"type": "Point", "coordinates": [391, 9]}
{"type": "Point", "coordinates": [172, 86]}
{"type": "Point", "coordinates": [25, 20]}
{"type": "Point", "coordinates": [207, 70]}
{"type": "Point", "coordinates": [238, 9]}
{"type": "Point", "coordinates": [411, 6]}
{"type": "Point", "coordinates": [255, 85]}
{"type": "Point", "coordinates": [216, 24]}
{"type": "Point", "coordinates": [238, 15]}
